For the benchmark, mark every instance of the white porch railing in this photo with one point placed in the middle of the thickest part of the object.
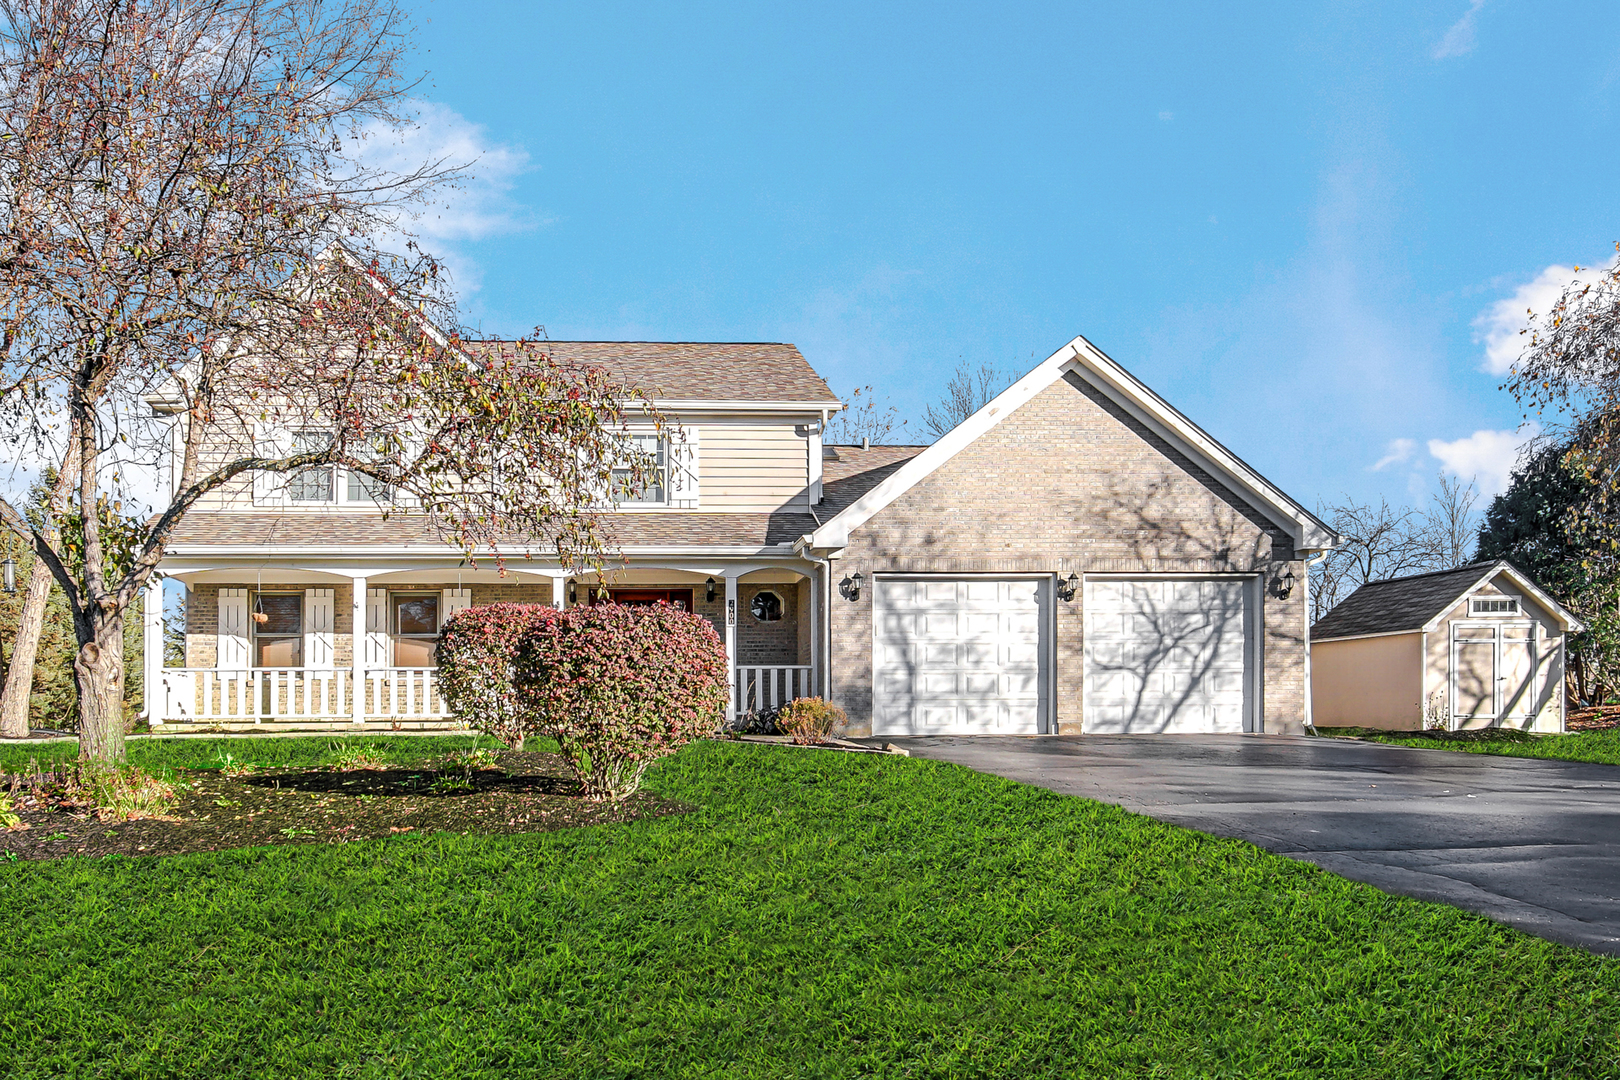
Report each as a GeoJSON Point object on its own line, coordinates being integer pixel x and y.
{"type": "Point", "coordinates": [761, 687]}
{"type": "Point", "coordinates": [266, 694]}
{"type": "Point", "coordinates": [404, 691]}
{"type": "Point", "coordinates": [260, 694]}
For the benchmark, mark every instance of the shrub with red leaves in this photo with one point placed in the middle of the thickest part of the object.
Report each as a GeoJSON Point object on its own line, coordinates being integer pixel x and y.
{"type": "Point", "coordinates": [478, 650]}
{"type": "Point", "coordinates": [620, 687]}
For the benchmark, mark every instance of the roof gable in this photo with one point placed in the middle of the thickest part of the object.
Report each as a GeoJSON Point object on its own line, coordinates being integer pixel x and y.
{"type": "Point", "coordinates": [1416, 603]}
{"type": "Point", "coordinates": [1084, 360]}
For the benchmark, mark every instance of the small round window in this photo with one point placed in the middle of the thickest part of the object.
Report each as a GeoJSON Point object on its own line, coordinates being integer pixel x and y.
{"type": "Point", "coordinates": [767, 607]}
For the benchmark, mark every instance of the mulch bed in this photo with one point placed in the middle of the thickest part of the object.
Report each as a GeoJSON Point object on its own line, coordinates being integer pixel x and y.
{"type": "Point", "coordinates": [1602, 718]}
{"type": "Point", "coordinates": [528, 793]}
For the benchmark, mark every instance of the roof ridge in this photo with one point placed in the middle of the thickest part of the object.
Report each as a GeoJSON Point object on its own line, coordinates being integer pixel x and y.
{"type": "Point", "coordinates": [620, 341]}
{"type": "Point", "coordinates": [1432, 573]}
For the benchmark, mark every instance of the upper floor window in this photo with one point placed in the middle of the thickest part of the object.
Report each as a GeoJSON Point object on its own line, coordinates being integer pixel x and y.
{"type": "Point", "coordinates": [655, 491]}
{"type": "Point", "coordinates": [1493, 606]}
{"type": "Point", "coordinates": [315, 484]}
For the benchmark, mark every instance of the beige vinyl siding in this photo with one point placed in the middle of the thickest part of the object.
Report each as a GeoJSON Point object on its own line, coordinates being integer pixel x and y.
{"type": "Point", "coordinates": [752, 467]}
{"type": "Point", "coordinates": [1368, 682]}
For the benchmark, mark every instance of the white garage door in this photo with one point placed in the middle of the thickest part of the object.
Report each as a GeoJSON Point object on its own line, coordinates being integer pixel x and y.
{"type": "Point", "coordinates": [1167, 656]}
{"type": "Point", "coordinates": [959, 656]}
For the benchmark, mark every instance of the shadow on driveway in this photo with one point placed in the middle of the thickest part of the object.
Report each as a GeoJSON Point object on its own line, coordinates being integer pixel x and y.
{"type": "Point", "coordinates": [1534, 844]}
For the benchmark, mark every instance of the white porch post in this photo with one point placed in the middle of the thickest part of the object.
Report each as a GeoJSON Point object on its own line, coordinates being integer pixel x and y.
{"type": "Point", "coordinates": [559, 592]}
{"type": "Point", "coordinates": [814, 684]}
{"type": "Point", "coordinates": [731, 647]}
{"type": "Point", "coordinates": [357, 635]}
{"type": "Point", "coordinates": [152, 693]}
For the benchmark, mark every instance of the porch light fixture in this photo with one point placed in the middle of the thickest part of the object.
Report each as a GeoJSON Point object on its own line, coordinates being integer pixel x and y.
{"type": "Point", "coordinates": [1285, 584]}
{"type": "Point", "coordinates": [8, 569]}
{"type": "Point", "coordinates": [573, 594]}
{"type": "Point", "coordinates": [850, 587]}
{"type": "Point", "coordinates": [1066, 588]}
{"type": "Point", "coordinates": [709, 593]}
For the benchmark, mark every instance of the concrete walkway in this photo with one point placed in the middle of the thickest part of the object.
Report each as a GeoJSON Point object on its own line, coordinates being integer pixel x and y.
{"type": "Point", "coordinates": [1534, 844]}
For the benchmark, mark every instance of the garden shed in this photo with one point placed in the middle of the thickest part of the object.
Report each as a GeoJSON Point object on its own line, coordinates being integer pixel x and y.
{"type": "Point", "coordinates": [1479, 646]}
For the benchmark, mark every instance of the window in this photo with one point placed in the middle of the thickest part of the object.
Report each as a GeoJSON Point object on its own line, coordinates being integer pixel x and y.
{"type": "Point", "coordinates": [654, 492]}
{"type": "Point", "coordinates": [416, 630]}
{"type": "Point", "coordinates": [278, 630]}
{"type": "Point", "coordinates": [363, 488]}
{"type": "Point", "coordinates": [1493, 606]}
{"type": "Point", "coordinates": [767, 607]}
{"type": "Point", "coordinates": [311, 485]}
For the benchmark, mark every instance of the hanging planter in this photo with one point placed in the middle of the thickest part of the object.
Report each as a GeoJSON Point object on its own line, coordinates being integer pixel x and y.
{"type": "Point", "coordinates": [259, 614]}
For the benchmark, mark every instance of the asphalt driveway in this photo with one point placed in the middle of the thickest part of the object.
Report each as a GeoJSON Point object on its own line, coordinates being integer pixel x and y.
{"type": "Point", "coordinates": [1535, 844]}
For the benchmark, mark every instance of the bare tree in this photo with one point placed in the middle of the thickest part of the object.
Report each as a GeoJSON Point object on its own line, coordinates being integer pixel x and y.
{"type": "Point", "coordinates": [966, 392]}
{"type": "Point", "coordinates": [864, 419]}
{"type": "Point", "coordinates": [195, 270]}
{"type": "Point", "coordinates": [1379, 542]}
{"type": "Point", "coordinates": [1450, 528]}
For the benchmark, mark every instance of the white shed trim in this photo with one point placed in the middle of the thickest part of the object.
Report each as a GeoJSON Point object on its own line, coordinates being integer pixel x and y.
{"type": "Point", "coordinates": [1567, 622]}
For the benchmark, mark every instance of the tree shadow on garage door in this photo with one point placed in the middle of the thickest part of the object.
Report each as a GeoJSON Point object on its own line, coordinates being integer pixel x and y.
{"type": "Point", "coordinates": [1176, 655]}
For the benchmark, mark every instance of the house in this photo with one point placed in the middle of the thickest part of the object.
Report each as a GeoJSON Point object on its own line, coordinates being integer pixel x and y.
{"type": "Point", "coordinates": [1076, 556]}
{"type": "Point", "coordinates": [1479, 646]}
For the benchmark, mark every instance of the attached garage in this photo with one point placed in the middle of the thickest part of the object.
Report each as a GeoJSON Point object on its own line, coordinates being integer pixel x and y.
{"type": "Point", "coordinates": [961, 656]}
{"type": "Point", "coordinates": [1169, 655]}
{"type": "Point", "coordinates": [1075, 557]}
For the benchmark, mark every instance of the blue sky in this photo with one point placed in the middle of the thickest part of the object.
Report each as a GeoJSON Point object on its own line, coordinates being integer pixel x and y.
{"type": "Point", "coordinates": [1309, 226]}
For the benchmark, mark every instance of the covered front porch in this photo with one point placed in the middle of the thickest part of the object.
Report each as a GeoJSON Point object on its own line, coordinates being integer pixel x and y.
{"type": "Point", "coordinates": [274, 642]}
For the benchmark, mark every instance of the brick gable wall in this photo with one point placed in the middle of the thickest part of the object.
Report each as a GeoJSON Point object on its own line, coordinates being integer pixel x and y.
{"type": "Point", "coordinates": [1071, 483]}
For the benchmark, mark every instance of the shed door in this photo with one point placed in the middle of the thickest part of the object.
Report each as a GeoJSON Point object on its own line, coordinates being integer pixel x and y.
{"type": "Point", "coordinates": [1167, 655]}
{"type": "Point", "coordinates": [960, 656]}
{"type": "Point", "coordinates": [1492, 672]}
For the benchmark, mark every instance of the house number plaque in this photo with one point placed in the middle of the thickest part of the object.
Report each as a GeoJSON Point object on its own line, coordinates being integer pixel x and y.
{"type": "Point", "coordinates": [731, 613]}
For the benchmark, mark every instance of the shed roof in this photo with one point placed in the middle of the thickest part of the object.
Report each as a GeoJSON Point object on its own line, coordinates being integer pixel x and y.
{"type": "Point", "coordinates": [1409, 604]}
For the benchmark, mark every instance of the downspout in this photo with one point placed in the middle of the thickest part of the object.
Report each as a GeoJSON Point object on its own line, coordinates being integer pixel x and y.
{"type": "Point", "coordinates": [823, 565]}
{"type": "Point", "coordinates": [1310, 724]}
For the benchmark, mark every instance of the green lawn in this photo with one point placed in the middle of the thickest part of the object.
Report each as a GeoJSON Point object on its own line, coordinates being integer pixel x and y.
{"type": "Point", "coordinates": [159, 754]}
{"type": "Point", "coordinates": [1599, 747]}
{"type": "Point", "coordinates": [815, 915]}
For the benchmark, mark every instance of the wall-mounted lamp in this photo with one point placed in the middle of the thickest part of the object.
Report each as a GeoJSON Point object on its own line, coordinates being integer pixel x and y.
{"type": "Point", "coordinates": [1285, 584]}
{"type": "Point", "coordinates": [850, 587]}
{"type": "Point", "coordinates": [709, 594]}
{"type": "Point", "coordinates": [8, 571]}
{"type": "Point", "coordinates": [573, 594]}
{"type": "Point", "coordinates": [1066, 588]}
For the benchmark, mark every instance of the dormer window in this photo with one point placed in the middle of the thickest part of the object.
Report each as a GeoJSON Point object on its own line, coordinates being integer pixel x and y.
{"type": "Point", "coordinates": [655, 491]}
{"type": "Point", "coordinates": [311, 485]}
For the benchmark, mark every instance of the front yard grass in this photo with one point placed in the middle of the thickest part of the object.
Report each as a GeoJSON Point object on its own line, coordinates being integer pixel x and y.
{"type": "Point", "coordinates": [813, 915]}
{"type": "Point", "coordinates": [1597, 747]}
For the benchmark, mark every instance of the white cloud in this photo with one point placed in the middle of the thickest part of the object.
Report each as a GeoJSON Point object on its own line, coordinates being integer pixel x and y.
{"type": "Point", "coordinates": [1397, 452]}
{"type": "Point", "coordinates": [1485, 457]}
{"type": "Point", "coordinates": [1499, 327]}
{"type": "Point", "coordinates": [478, 206]}
{"type": "Point", "coordinates": [1166, 115]}
{"type": "Point", "coordinates": [1459, 40]}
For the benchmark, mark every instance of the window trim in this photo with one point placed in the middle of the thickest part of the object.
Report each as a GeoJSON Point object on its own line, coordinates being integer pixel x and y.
{"type": "Point", "coordinates": [394, 633]}
{"type": "Point", "coordinates": [665, 452]}
{"type": "Point", "coordinates": [1488, 605]}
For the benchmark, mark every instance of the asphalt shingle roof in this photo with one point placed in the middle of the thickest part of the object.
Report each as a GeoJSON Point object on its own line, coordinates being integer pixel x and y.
{"type": "Point", "coordinates": [1399, 604]}
{"type": "Point", "coordinates": [699, 370]}
{"type": "Point", "coordinates": [848, 473]}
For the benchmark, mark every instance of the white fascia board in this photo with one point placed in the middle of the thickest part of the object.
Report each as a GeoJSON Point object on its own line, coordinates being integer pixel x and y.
{"type": "Point", "coordinates": [1361, 637]}
{"type": "Point", "coordinates": [291, 552]}
{"type": "Point", "coordinates": [1128, 392]}
{"type": "Point", "coordinates": [1567, 622]}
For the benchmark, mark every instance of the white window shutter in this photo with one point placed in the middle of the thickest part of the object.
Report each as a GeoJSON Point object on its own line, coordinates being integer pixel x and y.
{"type": "Point", "coordinates": [319, 608]}
{"type": "Point", "coordinates": [683, 468]}
{"type": "Point", "coordinates": [232, 650]}
{"type": "Point", "coordinates": [454, 600]}
{"type": "Point", "coordinates": [270, 441]}
{"type": "Point", "coordinates": [376, 628]}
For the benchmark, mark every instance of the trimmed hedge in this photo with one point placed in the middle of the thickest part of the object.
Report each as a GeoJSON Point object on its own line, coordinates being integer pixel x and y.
{"type": "Point", "coordinates": [617, 686]}
{"type": "Point", "coordinates": [478, 649]}
{"type": "Point", "coordinates": [620, 687]}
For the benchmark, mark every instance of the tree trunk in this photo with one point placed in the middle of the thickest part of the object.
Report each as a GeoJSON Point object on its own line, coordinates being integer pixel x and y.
{"type": "Point", "coordinates": [24, 652]}
{"type": "Point", "coordinates": [99, 671]}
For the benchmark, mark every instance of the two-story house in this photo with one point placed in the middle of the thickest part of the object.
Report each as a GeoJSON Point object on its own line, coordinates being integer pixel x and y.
{"type": "Point", "coordinates": [1077, 556]}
